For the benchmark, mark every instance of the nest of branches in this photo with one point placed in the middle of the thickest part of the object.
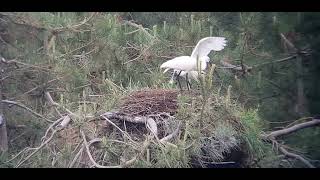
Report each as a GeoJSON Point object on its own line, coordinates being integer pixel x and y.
{"type": "Point", "coordinates": [150, 102]}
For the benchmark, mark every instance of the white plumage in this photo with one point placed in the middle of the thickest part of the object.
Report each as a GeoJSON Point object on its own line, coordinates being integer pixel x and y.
{"type": "Point", "coordinates": [188, 64]}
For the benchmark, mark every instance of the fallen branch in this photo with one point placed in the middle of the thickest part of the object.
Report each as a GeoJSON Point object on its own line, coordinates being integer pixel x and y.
{"type": "Point", "coordinates": [271, 138]}
{"type": "Point", "coordinates": [294, 128]}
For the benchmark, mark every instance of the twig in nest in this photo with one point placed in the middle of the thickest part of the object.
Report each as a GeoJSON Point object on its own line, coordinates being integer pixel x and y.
{"type": "Point", "coordinates": [26, 108]}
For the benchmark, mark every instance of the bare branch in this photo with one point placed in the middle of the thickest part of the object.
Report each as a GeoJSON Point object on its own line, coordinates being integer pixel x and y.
{"type": "Point", "coordinates": [294, 128]}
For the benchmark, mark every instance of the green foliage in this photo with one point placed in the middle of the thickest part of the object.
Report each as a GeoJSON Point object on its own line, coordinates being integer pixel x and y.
{"type": "Point", "coordinates": [253, 128]}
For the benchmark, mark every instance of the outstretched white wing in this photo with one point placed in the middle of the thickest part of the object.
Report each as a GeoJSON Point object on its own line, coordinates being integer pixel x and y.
{"type": "Point", "coordinates": [206, 45]}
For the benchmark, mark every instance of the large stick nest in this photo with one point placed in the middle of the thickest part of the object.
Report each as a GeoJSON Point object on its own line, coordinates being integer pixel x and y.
{"type": "Point", "coordinates": [150, 102]}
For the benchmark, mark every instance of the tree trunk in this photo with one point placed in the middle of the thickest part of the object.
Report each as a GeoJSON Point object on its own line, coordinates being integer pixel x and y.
{"type": "Point", "coordinates": [3, 127]}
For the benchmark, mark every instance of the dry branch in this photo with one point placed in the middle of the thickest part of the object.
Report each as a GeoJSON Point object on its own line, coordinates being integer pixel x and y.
{"type": "Point", "coordinates": [294, 128]}
{"type": "Point", "coordinates": [271, 138]}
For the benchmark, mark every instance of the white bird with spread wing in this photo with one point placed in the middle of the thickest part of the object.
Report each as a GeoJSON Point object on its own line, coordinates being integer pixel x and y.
{"type": "Point", "coordinates": [184, 65]}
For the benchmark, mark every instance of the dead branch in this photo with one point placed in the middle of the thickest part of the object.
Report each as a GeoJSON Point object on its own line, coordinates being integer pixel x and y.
{"type": "Point", "coordinates": [26, 108]}
{"type": "Point", "coordinates": [296, 156]}
{"type": "Point", "coordinates": [294, 128]}
{"type": "Point", "coordinates": [271, 138]}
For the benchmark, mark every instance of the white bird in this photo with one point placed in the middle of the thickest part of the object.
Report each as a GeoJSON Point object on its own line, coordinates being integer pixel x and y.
{"type": "Point", "coordinates": [188, 64]}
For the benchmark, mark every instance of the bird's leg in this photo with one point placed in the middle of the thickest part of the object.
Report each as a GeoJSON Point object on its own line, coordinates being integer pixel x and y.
{"type": "Point", "coordinates": [178, 77]}
{"type": "Point", "coordinates": [188, 83]}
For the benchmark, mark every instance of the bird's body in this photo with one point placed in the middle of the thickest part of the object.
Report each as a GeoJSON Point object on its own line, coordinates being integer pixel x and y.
{"type": "Point", "coordinates": [185, 63]}
{"type": "Point", "coordinates": [198, 60]}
